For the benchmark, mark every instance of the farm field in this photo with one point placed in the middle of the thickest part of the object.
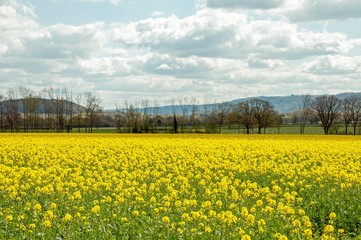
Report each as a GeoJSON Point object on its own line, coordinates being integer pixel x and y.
{"type": "Point", "coordinates": [109, 186]}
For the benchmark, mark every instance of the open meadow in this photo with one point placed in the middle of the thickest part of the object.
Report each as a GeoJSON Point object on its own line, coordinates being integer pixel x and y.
{"type": "Point", "coordinates": [109, 186]}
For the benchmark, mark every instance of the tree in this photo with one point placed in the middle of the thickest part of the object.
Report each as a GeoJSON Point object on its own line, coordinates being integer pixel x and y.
{"type": "Point", "coordinates": [79, 109]}
{"type": "Point", "coordinates": [304, 111]}
{"type": "Point", "coordinates": [69, 108]}
{"type": "Point", "coordinates": [120, 118]}
{"type": "Point", "coordinates": [33, 103]}
{"type": "Point", "coordinates": [222, 110]}
{"type": "Point", "coordinates": [194, 120]}
{"type": "Point", "coordinates": [174, 112]}
{"type": "Point", "coordinates": [2, 98]}
{"type": "Point", "coordinates": [155, 119]}
{"type": "Point", "coordinates": [263, 113]}
{"type": "Point", "coordinates": [60, 107]}
{"type": "Point", "coordinates": [327, 109]}
{"type": "Point", "coordinates": [175, 124]}
{"type": "Point", "coordinates": [209, 116]}
{"type": "Point", "coordinates": [93, 110]}
{"type": "Point", "coordinates": [183, 103]}
{"type": "Point", "coordinates": [355, 110]}
{"type": "Point", "coordinates": [49, 108]}
{"type": "Point", "coordinates": [12, 117]}
{"type": "Point", "coordinates": [245, 115]}
{"type": "Point", "coordinates": [145, 115]}
{"type": "Point", "coordinates": [133, 117]}
{"type": "Point", "coordinates": [346, 113]}
{"type": "Point", "coordinates": [24, 94]}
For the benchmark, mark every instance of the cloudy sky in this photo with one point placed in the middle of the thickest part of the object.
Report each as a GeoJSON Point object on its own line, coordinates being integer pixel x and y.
{"type": "Point", "coordinates": [162, 49]}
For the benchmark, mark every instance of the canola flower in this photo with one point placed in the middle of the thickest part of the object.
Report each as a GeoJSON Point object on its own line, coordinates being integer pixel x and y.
{"type": "Point", "coordinates": [179, 186]}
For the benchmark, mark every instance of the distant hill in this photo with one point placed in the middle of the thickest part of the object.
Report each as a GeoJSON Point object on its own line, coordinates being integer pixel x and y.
{"type": "Point", "coordinates": [282, 104]}
{"type": "Point", "coordinates": [42, 105]}
{"type": "Point", "coordinates": [287, 104]}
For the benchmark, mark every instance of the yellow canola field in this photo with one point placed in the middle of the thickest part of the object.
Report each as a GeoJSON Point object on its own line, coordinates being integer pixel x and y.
{"type": "Point", "coordinates": [179, 187]}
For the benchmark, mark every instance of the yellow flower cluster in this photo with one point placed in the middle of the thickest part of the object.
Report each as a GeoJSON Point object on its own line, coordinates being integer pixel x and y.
{"type": "Point", "coordinates": [179, 186]}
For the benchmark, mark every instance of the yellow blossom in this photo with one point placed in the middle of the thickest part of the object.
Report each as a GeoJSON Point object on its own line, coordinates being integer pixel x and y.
{"type": "Point", "coordinates": [67, 217]}
{"type": "Point", "coordinates": [308, 232]}
{"type": "Point", "coordinates": [246, 237]}
{"type": "Point", "coordinates": [37, 207]}
{"type": "Point", "coordinates": [328, 229]}
{"type": "Point", "coordinates": [165, 219]}
{"type": "Point", "coordinates": [95, 209]}
{"type": "Point", "coordinates": [207, 229]}
{"type": "Point", "coordinates": [46, 223]}
{"type": "Point", "coordinates": [9, 218]}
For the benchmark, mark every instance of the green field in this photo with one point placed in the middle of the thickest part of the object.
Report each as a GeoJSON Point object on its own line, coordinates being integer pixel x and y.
{"type": "Point", "coordinates": [283, 129]}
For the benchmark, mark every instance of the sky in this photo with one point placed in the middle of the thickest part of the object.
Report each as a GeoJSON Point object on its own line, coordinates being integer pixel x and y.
{"type": "Point", "coordinates": [212, 50]}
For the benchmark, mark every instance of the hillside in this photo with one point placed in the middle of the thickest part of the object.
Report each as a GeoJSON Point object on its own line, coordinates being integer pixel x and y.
{"type": "Point", "coordinates": [287, 104]}
{"type": "Point", "coordinates": [43, 104]}
{"type": "Point", "coordinates": [282, 104]}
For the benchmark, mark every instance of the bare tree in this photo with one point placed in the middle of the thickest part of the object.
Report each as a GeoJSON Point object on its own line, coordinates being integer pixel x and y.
{"type": "Point", "coordinates": [2, 99]}
{"type": "Point", "coordinates": [221, 112]}
{"type": "Point", "coordinates": [209, 118]}
{"type": "Point", "coordinates": [175, 124]}
{"type": "Point", "coordinates": [49, 108]}
{"type": "Point", "coordinates": [272, 119]}
{"type": "Point", "coordinates": [30, 108]}
{"type": "Point", "coordinates": [346, 113]}
{"type": "Point", "coordinates": [155, 118]}
{"type": "Point", "coordinates": [174, 111]}
{"type": "Point", "coordinates": [69, 108]}
{"type": "Point", "coordinates": [194, 113]}
{"type": "Point", "coordinates": [24, 94]}
{"type": "Point", "coordinates": [33, 101]}
{"type": "Point", "coordinates": [205, 114]}
{"type": "Point", "coordinates": [93, 110]}
{"type": "Point", "coordinates": [13, 117]}
{"type": "Point", "coordinates": [79, 109]}
{"type": "Point", "coordinates": [327, 109]}
{"type": "Point", "coordinates": [355, 110]}
{"type": "Point", "coordinates": [145, 115]}
{"type": "Point", "coordinates": [244, 113]}
{"type": "Point", "coordinates": [120, 118]}
{"type": "Point", "coordinates": [183, 103]}
{"type": "Point", "coordinates": [134, 117]}
{"type": "Point", "coordinates": [263, 113]}
{"type": "Point", "coordinates": [60, 106]}
{"type": "Point", "coordinates": [304, 111]}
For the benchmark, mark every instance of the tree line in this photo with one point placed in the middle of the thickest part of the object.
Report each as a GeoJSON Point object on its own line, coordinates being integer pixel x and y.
{"type": "Point", "coordinates": [51, 109]}
{"type": "Point", "coordinates": [331, 112]}
{"type": "Point", "coordinates": [249, 116]}
{"type": "Point", "coordinates": [62, 110]}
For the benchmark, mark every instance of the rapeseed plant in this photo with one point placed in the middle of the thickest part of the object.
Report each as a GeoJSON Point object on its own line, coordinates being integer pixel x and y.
{"type": "Point", "coordinates": [165, 186]}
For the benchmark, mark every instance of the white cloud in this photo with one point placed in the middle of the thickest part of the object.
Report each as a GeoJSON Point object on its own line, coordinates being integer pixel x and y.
{"type": "Point", "coordinates": [13, 7]}
{"type": "Point", "coordinates": [254, 62]}
{"type": "Point", "coordinates": [108, 66]}
{"type": "Point", "coordinates": [84, 40]}
{"type": "Point", "coordinates": [253, 4]}
{"type": "Point", "coordinates": [157, 14]}
{"type": "Point", "coordinates": [215, 53]}
{"type": "Point", "coordinates": [212, 33]}
{"type": "Point", "coordinates": [113, 2]}
{"type": "Point", "coordinates": [296, 11]}
{"type": "Point", "coordinates": [164, 66]}
{"type": "Point", "coordinates": [334, 65]}
{"type": "Point", "coordinates": [3, 49]}
{"type": "Point", "coordinates": [315, 10]}
{"type": "Point", "coordinates": [16, 25]}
